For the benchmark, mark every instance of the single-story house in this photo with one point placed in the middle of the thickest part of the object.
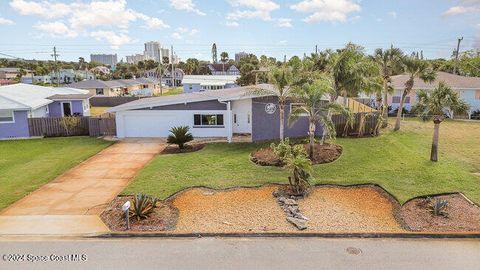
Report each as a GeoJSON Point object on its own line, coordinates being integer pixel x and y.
{"type": "Point", "coordinates": [12, 73]}
{"type": "Point", "coordinates": [36, 79]}
{"type": "Point", "coordinates": [468, 89]}
{"type": "Point", "coordinates": [223, 69]}
{"type": "Point", "coordinates": [209, 114]}
{"type": "Point", "coordinates": [198, 83]}
{"type": "Point", "coordinates": [18, 102]}
{"type": "Point", "coordinates": [114, 88]}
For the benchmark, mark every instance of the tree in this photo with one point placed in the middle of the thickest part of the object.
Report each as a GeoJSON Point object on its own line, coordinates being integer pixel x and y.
{"type": "Point", "coordinates": [415, 68]}
{"type": "Point", "coordinates": [69, 123]}
{"type": "Point", "coordinates": [389, 63]}
{"type": "Point", "coordinates": [248, 65]}
{"type": "Point", "coordinates": [281, 78]}
{"type": "Point", "coordinates": [159, 72]}
{"type": "Point", "coordinates": [192, 66]}
{"type": "Point", "coordinates": [311, 96]}
{"type": "Point", "coordinates": [180, 136]}
{"type": "Point", "coordinates": [436, 104]}
{"type": "Point", "coordinates": [224, 57]}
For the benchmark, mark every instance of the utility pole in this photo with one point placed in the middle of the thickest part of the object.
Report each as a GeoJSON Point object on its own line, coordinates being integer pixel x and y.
{"type": "Point", "coordinates": [456, 55]}
{"type": "Point", "coordinates": [316, 49]}
{"type": "Point", "coordinates": [55, 55]}
{"type": "Point", "coordinates": [173, 69]}
{"type": "Point", "coordinates": [285, 59]}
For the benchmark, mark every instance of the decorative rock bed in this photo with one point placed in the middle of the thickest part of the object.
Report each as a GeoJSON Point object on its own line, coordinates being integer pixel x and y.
{"type": "Point", "coordinates": [323, 153]}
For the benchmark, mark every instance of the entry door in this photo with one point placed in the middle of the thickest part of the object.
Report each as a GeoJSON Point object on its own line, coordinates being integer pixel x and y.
{"type": "Point", "coordinates": [242, 116]}
{"type": "Point", "coordinates": [67, 108]}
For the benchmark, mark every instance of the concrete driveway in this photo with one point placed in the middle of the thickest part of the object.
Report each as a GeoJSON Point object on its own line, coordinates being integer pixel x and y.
{"type": "Point", "coordinates": [88, 187]}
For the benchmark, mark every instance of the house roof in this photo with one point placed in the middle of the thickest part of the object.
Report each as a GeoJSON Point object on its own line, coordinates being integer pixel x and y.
{"type": "Point", "coordinates": [209, 79]}
{"type": "Point", "coordinates": [27, 96]}
{"type": "Point", "coordinates": [220, 95]}
{"type": "Point", "coordinates": [454, 81]}
{"type": "Point", "coordinates": [70, 97]}
{"type": "Point", "coordinates": [90, 84]}
{"type": "Point", "coordinates": [220, 67]}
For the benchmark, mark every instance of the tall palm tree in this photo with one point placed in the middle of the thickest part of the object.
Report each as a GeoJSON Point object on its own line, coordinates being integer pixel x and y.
{"type": "Point", "coordinates": [438, 103]}
{"type": "Point", "coordinates": [281, 78]}
{"type": "Point", "coordinates": [312, 96]}
{"type": "Point", "coordinates": [390, 63]}
{"type": "Point", "coordinates": [160, 70]}
{"type": "Point", "coordinates": [415, 68]}
{"type": "Point", "coordinates": [224, 59]}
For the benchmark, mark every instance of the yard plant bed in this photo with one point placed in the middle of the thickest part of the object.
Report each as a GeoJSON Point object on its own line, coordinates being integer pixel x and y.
{"type": "Point", "coordinates": [174, 149]}
{"type": "Point", "coordinates": [463, 216]}
{"type": "Point", "coordinates": [323, 153]}
{"type": "Point", "coordinates": [163, 218]}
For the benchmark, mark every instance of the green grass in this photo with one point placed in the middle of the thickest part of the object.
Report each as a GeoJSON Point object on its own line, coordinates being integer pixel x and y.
{"type": "Point", "coordinates": [25, 165]}
{"type": "Point", "coordinates": [397, 161]}
{"type": "Point", "coordinates": [173, 91]}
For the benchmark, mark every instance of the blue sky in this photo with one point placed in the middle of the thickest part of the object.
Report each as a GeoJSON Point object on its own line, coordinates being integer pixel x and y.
{"type": "Point", "coordinates": [30, 29]}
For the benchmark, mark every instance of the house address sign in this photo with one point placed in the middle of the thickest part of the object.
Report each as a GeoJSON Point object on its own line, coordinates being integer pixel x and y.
{"type": "Point", "coordinates": [270, 108]}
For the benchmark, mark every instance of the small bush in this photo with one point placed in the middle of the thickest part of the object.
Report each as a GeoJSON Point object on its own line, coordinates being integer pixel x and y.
{"type": "Point", "coordinates": [180, 136]}
{"type": "Point", "coordinates": [142, 206]}
{"type": "Point", "coordinates": [438, 206]}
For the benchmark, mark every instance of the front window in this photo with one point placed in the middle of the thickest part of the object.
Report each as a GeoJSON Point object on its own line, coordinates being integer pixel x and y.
{"type": "Point", "coordinates": [208, 119]}
{"type": "Point", "coordinates": [99, 91]}
{"type": "Point", "coordinates": [6, 116]}
{"type": "Point", "coordinates": [396, 99]}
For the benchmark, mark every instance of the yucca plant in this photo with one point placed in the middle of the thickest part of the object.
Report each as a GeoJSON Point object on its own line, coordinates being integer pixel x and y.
{"type": "Point", "coordinates": [438, 206]}
{"type": "Point", "coordinates": [180, 136]}
{"type": "Point", "coordinates": [142, 206]}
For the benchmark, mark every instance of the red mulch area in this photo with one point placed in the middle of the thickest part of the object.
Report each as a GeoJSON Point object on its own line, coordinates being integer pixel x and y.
{"type": "Point", "coordinates": [463, 216]}
{"type": "Point", "coordinates": [325, 153]}
{"type": "Point", "coordinates": [163, 218]}
{"type": "Point", "coordinates": [173, 148]}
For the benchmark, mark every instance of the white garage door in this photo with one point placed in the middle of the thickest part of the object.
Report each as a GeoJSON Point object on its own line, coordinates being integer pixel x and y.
{"type": "Point", "coordinates": [151, 124]}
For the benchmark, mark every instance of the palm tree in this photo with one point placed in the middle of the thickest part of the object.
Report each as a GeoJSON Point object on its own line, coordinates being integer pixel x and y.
{"type": "Point", "coordinates": [224, 59]}
{"type": "Point", "coordinates": [281, 78]}
{"type": "Point", "coordinates": [390, 63]}
{"type": "Point", "coordinates": [311, 96]}
{"type": "Point", "coordinates": [438, 103]}
{"type": "Point", "coordinates": [160, 70]}
{"type": "Point", "coordinates": [415, 68]}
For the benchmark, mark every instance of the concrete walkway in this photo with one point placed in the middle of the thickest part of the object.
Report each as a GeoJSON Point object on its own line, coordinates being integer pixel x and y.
{"type": "Point", "coordinates": [83, 190]}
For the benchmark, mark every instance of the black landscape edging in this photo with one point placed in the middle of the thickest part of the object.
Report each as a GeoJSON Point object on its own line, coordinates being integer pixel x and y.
{"type": "Point", "coordinates": [292, 235]}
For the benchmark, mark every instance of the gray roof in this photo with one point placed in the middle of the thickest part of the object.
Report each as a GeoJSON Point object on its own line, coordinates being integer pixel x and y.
{"type": "Point", "coordinates": [223, 95]}
{"type": "Point", "coordinates": [90, 84]}
{"type": "Point", "coordinates": [454, 81]}
{"type": "Point", "coordinates": [70, 97]}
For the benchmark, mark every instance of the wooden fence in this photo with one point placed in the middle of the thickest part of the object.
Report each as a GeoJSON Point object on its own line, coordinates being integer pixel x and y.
{"type": "Point", "coordinates": [370, 121]}
{"type": "Point", "coordinates": [87, 126]}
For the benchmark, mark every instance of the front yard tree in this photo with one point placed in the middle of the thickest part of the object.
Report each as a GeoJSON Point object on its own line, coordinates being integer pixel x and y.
{"type": "Point", "coordinates": [390, 63]}
{"type": "Point", "coordinates": [415, 68]}
{"type": "Point", "coordinates": [436, 104]}
{"type": "Point", "coordinates": [311, 96]}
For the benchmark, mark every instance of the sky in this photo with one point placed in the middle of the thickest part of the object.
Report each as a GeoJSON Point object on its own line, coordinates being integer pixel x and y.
{"type": "Point", "coordinates": [29, 29]}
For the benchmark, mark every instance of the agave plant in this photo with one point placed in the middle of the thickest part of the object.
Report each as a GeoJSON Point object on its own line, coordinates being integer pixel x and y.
{"type": "Point", "coordinates": [142, 206]}
{"type": "Point", "coordinates": [180, 136]}
{"type": "Point", "coordinates": [438, 206]}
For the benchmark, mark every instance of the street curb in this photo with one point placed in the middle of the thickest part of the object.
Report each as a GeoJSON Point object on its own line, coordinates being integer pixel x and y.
{"type": "Point", "coordinates": [292, 235]}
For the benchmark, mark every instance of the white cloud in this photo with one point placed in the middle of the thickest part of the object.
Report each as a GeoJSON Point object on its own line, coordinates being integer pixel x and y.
{"type": "Point", "coordinates": [187, 5]}
{"type": "Point", "coordinates": [252, 9]}
{"type": "Point", "coordinates": [115, 40]}
{"type": "Point", "coordinates": [232, 24]}
{"type": "Point", "coordinates": [284, 22]}
{"type": "Point", "coordinates": [327, 10]}
{"type": "Point", "coordinates": [4, 21]}
{"type": "Point", "coordinates": [83, 17]}
{"type": "Point", "coordinates": [55, 29]}
{"type": "Point", "coordinates": [464, 6]}
{"type": "Point", "coordinates": [392, 14]}
{"type": "Point", "coordinates": [181, 32]}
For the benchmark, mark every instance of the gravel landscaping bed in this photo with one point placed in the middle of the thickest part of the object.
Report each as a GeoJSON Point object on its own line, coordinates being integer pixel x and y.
{"type": "Point", "coordinates": [173, 149]}
{"type": "Point", "coordinates": [463, 216]}
{"type": "Point", "coordinates": [323, 153]}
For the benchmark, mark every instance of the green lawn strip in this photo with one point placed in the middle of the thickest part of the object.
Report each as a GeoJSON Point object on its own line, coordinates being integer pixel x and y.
{"type": "Point", "coordinates": [399, 162]}
{"type": "Point", "coordinates": [25, 165]}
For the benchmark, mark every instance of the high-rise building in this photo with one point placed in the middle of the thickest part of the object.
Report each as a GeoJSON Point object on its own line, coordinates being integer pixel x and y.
{"type": "Point", "coordinates": [240, 55]}
{"type": "Point", "coordinates": [153, 51]}
{"type": "Point", "coordinates": [106, 59]}
{"type": "Point", "coordinates": [134, 59]}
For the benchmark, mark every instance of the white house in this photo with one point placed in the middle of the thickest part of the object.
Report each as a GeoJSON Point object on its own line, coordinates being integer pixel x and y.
{"type": "Point", "coordinates": [198, 83]}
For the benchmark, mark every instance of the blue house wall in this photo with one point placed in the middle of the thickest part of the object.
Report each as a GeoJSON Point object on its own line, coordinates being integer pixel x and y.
{"type": "Point", "coordinates": [18, 129]}
{"type": "Point", "coordinates": [55, 108]}
{"type": "Point", "coordinates": [469, 96]}
{"type": "Point", "coordinates": [190, 88]}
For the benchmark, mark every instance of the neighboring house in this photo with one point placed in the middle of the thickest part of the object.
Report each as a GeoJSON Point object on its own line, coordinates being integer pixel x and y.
{"type": "Point", "coordinates": [223, 69]}
{"type": "Point", "coordinates": [113, 88]}
{"type": "Point", "coordinates": [198, 83]}
{"type": "Point", "coordinates": [167, 79]}
{"type": "Point", "coordinates": [18, 102]}
{"type": "Point", "coordinates": [67, 76]}
{"type": "Point", "coordinates": [36, 79]}
{"type": "Point", "coordinates": [13, 73]}
{"type": "Point", "coordinates": [100, 70]}
{"type": "Point", "coordinates": [209, 114]}
{"type": "Point", "coordinates": [468, 89]}
{"type": "Point", "coordinates": [6, 82]}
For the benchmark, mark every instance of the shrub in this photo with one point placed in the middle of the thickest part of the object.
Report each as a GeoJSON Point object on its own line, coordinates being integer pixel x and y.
{"type": "Point", "coordinates": [180, 136]}
{"type": "Point", "coordinates": [142, 206]}
{"type": "Point", "coordinates": [438, 206]}
{"type": "Point", "coordinates": [69, 123]}
{"type": "Point", "coordinates": [296, 159]}
{"type": "Point", "coordinates": [476, 115]}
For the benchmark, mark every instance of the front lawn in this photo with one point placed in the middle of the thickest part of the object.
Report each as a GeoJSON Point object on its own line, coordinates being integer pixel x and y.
{"type": "Point", "coordinates": [398, 161]}
{"type": "Point", "coordinates": [25, 165]}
